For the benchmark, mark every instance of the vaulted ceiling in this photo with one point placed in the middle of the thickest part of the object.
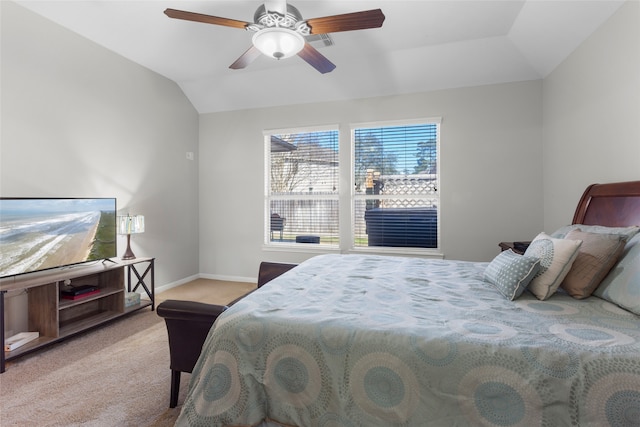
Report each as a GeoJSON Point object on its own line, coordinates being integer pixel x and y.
{"type": "Point", "coordinates": [422, 46]}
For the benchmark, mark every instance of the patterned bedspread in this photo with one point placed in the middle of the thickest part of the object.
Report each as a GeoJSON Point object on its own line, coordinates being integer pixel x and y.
{"type": "Point", "coordinates": [359, 340]}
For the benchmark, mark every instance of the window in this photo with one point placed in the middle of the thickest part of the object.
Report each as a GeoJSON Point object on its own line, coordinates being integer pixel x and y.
{"type": "Point", "coordinates": [393, 189]}
{"type": "Point", "coordinates": [395, 172]}
{"type": "Point", "coordinates": [302, 187]}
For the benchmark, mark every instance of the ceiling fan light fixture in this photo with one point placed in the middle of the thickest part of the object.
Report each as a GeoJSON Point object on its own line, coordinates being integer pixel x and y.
{"type": "Point", "coordinates": [278, 42]}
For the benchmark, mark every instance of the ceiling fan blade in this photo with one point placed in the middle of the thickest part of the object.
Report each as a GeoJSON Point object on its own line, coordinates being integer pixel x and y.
{"type": "Point", "coordinates": [207, 19]}
{"type": "Point", "coordinates": [316, 59]}
{"type": "Point", "coordinates": [246, 58]}
{"type": "Point", "coordinates": [347, 22]}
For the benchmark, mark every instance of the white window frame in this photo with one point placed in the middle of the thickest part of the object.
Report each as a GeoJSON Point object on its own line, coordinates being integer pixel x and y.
{"type": "Point", "coordinates": [346, 191]}
{"type": "Point", "coordinates": [354, 196]}
{"type": "Point", "coordinates": [268, 244]}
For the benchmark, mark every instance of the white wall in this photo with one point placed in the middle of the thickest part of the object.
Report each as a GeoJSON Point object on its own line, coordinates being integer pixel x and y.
{"type": "Point", "coordinates": [592, 116]}
{"type": "Point", "coordinates": [491, 138]}
{"type": "Point", "coordinates": [81, 121]}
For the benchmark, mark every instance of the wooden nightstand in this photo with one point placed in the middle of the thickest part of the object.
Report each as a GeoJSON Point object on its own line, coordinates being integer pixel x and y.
{"type": "Point", "coordinates": [517, 247]}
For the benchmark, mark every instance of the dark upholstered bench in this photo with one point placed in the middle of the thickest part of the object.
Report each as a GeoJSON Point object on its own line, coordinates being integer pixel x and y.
{"type": "Point", "coordinates": [188, 324]}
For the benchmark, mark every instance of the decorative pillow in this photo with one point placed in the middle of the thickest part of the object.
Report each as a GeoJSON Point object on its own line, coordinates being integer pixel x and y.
{"type": "Point", "coordinates": [627, 232]}
{"type": "Point", "coordinates": [622, 284]}
{"type": "Point", "coordinates": [556, 257]}
{"type": "Point", "coordinates": [510, 273]}
{"type": "Point", "coordinates": [596, 256]}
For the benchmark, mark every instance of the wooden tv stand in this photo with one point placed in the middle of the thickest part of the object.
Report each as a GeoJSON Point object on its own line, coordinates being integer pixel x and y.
{"type": "Point", "coordinates": [56, 318]}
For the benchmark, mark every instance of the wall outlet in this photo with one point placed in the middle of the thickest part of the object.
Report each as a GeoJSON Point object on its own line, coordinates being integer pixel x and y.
{"type": "Point", "coordinates": [190, 155]}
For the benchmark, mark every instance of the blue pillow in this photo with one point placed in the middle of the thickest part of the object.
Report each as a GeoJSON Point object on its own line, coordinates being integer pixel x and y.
{"type": "Point", "coordinates": [511, 273]}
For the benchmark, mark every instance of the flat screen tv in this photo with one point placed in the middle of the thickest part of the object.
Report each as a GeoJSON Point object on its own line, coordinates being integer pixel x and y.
{"type": "Point", "coordinates": [43, 233]}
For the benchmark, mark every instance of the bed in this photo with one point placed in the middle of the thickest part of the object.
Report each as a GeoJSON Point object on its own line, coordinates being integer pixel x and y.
{"type": "Point", "coordinates": [365, 340]}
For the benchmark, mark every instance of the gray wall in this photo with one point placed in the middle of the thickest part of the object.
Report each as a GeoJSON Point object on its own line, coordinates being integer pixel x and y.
{"type": "Point", "coordinates": [78, 120]}
{"type": "Point", "coordinates": [81, 121]}
{"type": "Point", "coordinates": [592, 116]}
{"type": "Point", "coordinates": [515, 157]}
{"type": "Point", "coordinates": [491, 181]}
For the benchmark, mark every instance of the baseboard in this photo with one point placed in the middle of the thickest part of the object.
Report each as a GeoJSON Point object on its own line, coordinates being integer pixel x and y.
{"type": "Point", "coordinates": [175, 284]}
{"type": "Point", "coordinates": [229, 278]}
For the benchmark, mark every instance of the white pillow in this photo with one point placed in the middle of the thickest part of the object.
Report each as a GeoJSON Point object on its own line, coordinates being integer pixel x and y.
{"type": "Point", "coordinates": [556, 257]}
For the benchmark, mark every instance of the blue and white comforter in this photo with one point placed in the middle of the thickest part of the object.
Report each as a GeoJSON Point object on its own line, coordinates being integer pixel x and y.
{"type": "Point", "coordinates": [358, 340]}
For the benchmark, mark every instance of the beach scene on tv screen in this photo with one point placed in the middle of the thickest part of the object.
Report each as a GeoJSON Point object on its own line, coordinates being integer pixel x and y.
{"type": "Point", "coordinates": [38, 234]}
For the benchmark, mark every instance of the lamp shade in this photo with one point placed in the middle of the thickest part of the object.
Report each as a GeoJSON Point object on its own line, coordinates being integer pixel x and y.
{"type": "Point", "coordinates": [130, 224]}
{"type": "Point", "coordinates": [278, 42]}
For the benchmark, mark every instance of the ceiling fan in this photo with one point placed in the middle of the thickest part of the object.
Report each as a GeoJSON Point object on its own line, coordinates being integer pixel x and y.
{"type": "Point", "coordinates": [280, 30]}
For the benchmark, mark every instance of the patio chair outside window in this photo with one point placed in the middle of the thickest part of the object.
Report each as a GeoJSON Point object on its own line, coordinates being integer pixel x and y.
{"type": "Point", "coordinates": [277, 224]}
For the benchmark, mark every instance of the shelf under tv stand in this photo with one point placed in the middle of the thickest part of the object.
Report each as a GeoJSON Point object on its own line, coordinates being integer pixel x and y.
{"type": "Point", "coordinates": [57, 319]}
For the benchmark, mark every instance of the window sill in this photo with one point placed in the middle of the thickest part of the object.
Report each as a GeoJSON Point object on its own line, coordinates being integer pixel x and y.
{"type": "Point", "coordinates": [300, 248]}
{"type": "Point", "coordinates": [318, 249]}
{"type": "Point", "coordinates": [427, 253]}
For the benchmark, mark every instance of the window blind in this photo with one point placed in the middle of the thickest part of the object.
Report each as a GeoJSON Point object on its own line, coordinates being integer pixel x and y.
{"type": "Point", "coordinates": [303, 187]}
{"type": "Point", "coordinates": [396, 198]}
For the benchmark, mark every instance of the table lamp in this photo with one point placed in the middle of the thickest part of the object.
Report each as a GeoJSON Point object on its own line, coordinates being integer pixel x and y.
{"type": "Point", "coordinates": [130, 224]}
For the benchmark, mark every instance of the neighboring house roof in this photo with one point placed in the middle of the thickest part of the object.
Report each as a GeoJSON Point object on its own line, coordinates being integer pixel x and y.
{"type": "Point", "coordinates": [280, 146]}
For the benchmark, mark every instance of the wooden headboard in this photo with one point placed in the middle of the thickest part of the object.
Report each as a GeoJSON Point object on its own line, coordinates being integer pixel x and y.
{"type": "Point", "coordinates": [614, 205]}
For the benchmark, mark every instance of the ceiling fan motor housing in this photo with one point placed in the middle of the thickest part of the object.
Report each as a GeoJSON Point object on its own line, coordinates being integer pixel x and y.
{"type": "Point", "coordinates": [291, 20]}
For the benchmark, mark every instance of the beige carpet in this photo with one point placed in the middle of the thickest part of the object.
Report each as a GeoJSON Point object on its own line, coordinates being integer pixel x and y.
{"type": "Point", "coordinates": [115, 375]}
{"type": "Point", "coordinates": [211, 291]}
